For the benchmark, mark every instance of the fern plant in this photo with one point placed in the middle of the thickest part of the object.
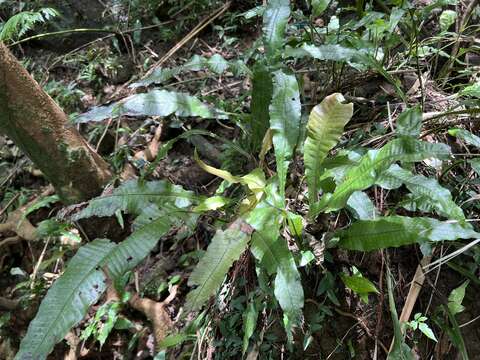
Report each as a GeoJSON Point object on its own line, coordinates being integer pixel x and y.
{"type": "Point", "coordinates": [263, 217]}
{"type": "Point", "coordinates": [19, 24]}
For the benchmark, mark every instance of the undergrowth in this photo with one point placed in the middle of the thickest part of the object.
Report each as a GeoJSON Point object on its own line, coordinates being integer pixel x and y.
{"type": "Point", "coordinates": [299, 185]}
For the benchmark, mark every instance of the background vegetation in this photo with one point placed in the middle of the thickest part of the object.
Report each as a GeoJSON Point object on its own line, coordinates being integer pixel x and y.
{"type": "Point", "coordinates": [291, 179]}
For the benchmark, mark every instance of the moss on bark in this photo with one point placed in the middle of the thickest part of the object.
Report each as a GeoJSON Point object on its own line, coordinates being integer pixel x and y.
{"type": "Point", "coordinates": [41, 130]}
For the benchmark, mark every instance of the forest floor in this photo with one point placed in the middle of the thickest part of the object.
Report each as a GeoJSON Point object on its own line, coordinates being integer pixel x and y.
{"type": "Point", "coordinates": [338, 323]}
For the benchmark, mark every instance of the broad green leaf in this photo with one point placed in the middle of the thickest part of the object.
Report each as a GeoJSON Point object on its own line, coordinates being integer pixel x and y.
{"type": "Point", "coordinates": [426, 188]}
{"type": "Point", "coordinates": [395, 231]}
{"type": "Point", "coordinates": [475, 164]}
{"type": "Point", "coordinates": [130, 252]}
{"type": "Point", "coordinates": [275, 20]}
{"type": "Point", "coordinates": [372, 164]}
{"type": "Point", "coordinates": [466, 136]}
{"type": "Point", "coordinates": [455, 298]}
{"type": "Point", "coordinates": [164, 103]}
{"type": "Point", "coordinates": [262, 91]}
{"type": "Point", "coordinates": [295, 224]}
{"type": "Point", "coordinates": [285, 112]}
{"type": "Point", "coordinates": [324, 129]}
{"type": "Point", "coordinates": [158, 76]}
{"type": "Point", "coordinates": [361, 206]}
{"type": "Point", "coordinates": [289, 291]}
{"type": "Point", "coordinates": [321, 52]}
{"type": "Point", "coordinates": [319, 6]}
{"type": "Point", "coordinates": [67, 301]}
{"type": "Point", "coordinates": [134, 197]}
{"type": "Point", "coordinates": [427, 331]}
{"type": "Point", "coordinates": [447, 19]}
{"type": "Point", "coordinates": [152, 103]}
{"type": "Point", "coordinates": [159, 206]}
{"type": "Point", "coordinates": [211, 203]}
{"type": "Point", "coordinates": [272, 252]}
{"type": "Point", "coordinates": [217, 64]}
{"type": "Point", "coordinates": [225, 248]}
{"type": "Point", "coordinates": [249, 317]}
{"type": "Point", "coordinates": [471, 90]}
{"type": "Point", "coordinates": [359, 285]}
{"type": "Point", "coordinates": [395, 16]}
{"type": "Point", "coordinates": [409, 122]}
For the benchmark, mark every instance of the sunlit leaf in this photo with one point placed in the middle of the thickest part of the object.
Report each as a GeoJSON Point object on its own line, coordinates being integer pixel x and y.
{"type": "Point", "coordinates": [324, 129]}
{"type": "Point", "coordinates": [372, 164]}
{"type": "Point", "coordinates": [471, 90]}
{"type": "Point", "coordinates": [447, 19]}
{"type": "Point", "coordinates": [409, 122]}
{"type": "Point", "coordinates": [362, 206]}
{"type": "Point", "coordinates": [455, 299]}
{"type": "Point", "coordinates": [271, 250]}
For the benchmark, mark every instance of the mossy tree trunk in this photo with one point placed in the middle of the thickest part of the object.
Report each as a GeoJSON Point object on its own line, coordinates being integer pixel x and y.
{"type": "Point", "coordinates": [39, 127]}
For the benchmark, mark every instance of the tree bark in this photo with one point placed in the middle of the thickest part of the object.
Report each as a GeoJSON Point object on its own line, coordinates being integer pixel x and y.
{"type": "Point", "coordinates": [40, 128]}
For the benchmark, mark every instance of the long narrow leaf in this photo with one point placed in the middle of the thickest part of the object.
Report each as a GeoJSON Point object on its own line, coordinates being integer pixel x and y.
{"type": "Point", "coordinates": [275, 20]}
{"type": "Point", "coordinates": [395, 231]}
{"type": "Point", "coordinates": [372, 164]}
{"type": "Point", "coordinates": [429, 189]}
{"type": "Point", "coordinates": [324, 129]}
{"type": "Point", "coordinates": [285, 112]}
{"type": "Point", "coordinates": [225, 248]}
{"type": "Point", "coordinates": [67, 301]}
{"type": "Point", "coordinates": [152, 103]}
{"type": "Point", "coordinates": [271, 250]}
{"type": "Point", "coordinates": [262, 91]}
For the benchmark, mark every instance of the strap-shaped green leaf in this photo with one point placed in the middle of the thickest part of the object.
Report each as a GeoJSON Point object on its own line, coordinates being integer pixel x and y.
{"type": "Point", "coordinates": [319, 6]}
{"type": "Point", "coordinates": [395, 231]}
{"type": "Point", "coordinates": [465, 135]}
{"type": "Point", "coordinates": [322, 52]}
{"type": "Point", "coordinates": [134, 196]}
{"type": "Point", "coordinates": [271, 250]}
{"type": "Point", "coordinates": [285, 112]}
{"type": "Point", "coordinates": [225, 248]}
{"type": "Point", "coordinates": [429, 189]}
{"type": "Point", "coordinates": [262, 91]}
{"type": "Point", "coordinates": [159, 206]}
{"type": "Point", "coordinates": [372, 164]}
{"type": "Point", "coordinates": [362, 206]}
{"type": "Point", "coordinates": [324, 128]}
{"type": "Point", "coordinates": [152, 103]}
{"type": "Point", "coordinates": [409, 122]}
{"type": "Point", "coordinates": [275, 20]}
{"type": "Point", "coordinates": [67, 301]}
